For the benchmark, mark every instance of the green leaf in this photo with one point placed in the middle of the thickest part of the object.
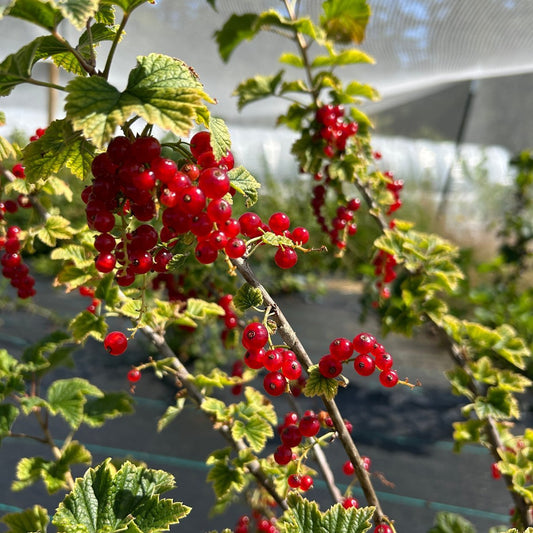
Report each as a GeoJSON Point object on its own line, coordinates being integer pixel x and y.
{"type": "Point", "coordinates": [111, 405]}
{"type": "Point", "coordinates": [272, 239]}
{"type": "Point", "coordinates": [75, 253]}
{"type": "Point", "coordinates": [170, 414]}
{"type": "Point", "coordinates": [161, 90]}
{"type": "Point", "coordinates": [32, 469]}
{"type": "Point", "coordinates": [67, 397]}
{"type": "Point", "coordinates": [256, 431]}
{"type": "Point", "coordinates": [8, 415]}
{"type": "Point", "coordinates": [291, 59]}
{"type": "Point", "coordinates": [304, 516]}
{"type": "Point", "coordinates": [337, 519]}
{"type": "Point", "coordinates": [7, 150]}
{"type": "Point", "coordinates": [86, 324]}
{"type": "Point", "coordinates": [16, 68]}
{"type": "Point", "coordinates": [345, 20]}
{"type": "Point", "coordinates": [498, 404]}
{"type": "Point", "coordinates": [126, 5]}
{"type": "Point", "coordinates": [216, 408]}
{"type": "Point", "coordinates": [262, 406]}
{"type": "Point", "coordinates": [34, 519]}
{"type": "Point", "coordinates": [200, 309]}
{"type": "Point", "coordinates": [43, 14]}
{"type": "Point", "coordinates": [364, 90]}
{"type": "Point", "coordinates": [318, 385]}
{"type": "Point", "coordinates": [77, 12]}
{"type": "Point", "coordinates": [467, 432]}
{"type": "Point", "coordinates": [346, 57]}
{"type": "Point", "coordinates": [57, 187]}
{"type": "Point", "coordinates": [55, 227]}
{"type": "Point", "coordinates": [107, 500]}
{"type": "Point", "coordinates": [108, 291]}
{"type": "Point", "coordinates": [220, 137]}
{"type": "Point", "coordinates": [59, 147]}
{"type": "Point", "coordinates": [247, 297]}
{"type": "Point", "coordinates": [74, 277]}
{"type": "Point", "coordinates": [236, 29]}
{"type": "Point", "coordinates": [225, 477]}
{"type": "Point", "coordinates": [451, 523]}
{"type": "Point", "coordinates": [216, 378]}
{"type": "Point", "coordinates": [257, 88]}
{"type": "Point", "coordinates": [244, 183]}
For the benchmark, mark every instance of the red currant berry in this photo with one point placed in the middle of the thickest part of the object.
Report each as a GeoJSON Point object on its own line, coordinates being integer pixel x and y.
{"type": "Point", "coordinates": [145, 149]}
{"type": "Point", "coordinates": [205, 253]}
{"type": "Point", "coordinates": [219, 210]}
{"type": "Point", "coordinates": [116, 343]}
{"type": "Point", "coordinates": [329, 367]}
{"type": "Point", "coordinates": [105, 262]}
{"type": "Point", "coordinates": [290, 435]}
{"type": "Point", "coordinates": [383, 528]}
{"type": "Point", "coordinates": [384, 361]}
{"type": "Point", "coordinates": [279, 222]}
{"type": "Point", "coordinates": [283, 455]}
{"type": "Point", "coordinates": [294, 481]}
{"type": "Point", "coordinates": [341, 349]}
{"type": "Point", "coordinates": [273, 360]}
{"type": "Point", "coordinates": [200, 143]}
{"type": "Point", "coordinates": [363, 343]}
{"type": "Point", "coordinates": [214, 182]}
{"type": "Point", "coordinates": [350, 501]}
{"type": "Point", "coordinates": [254, 359]}
{"type": "Point", "coordinates": [364, 365]}
{"type": "Point", "coordinates": [285, 257]}
{"type": "Point", "coordinates": [250, 224]}
{"type": "Point", "coordinates": [254, 336]}
{"type": "Point", "coordinates": [306, 483]}
{"type": "Point", "coordinates": [309, 425]}
{"type": "Point", "coordinates": [291, 369]}
{"type": "Point", "coordinates": [388, 378]}
{"type": "Point", "coordinates": [235, 248]}
{"type": "Point", "coordinates": [495, 471]}
{"type": "Point", "coordinates": [348, 468]}
{"type": "Point", "coordinates": [274, 384]}
{"type": "Point", "coordinates": [299, 235]}
{"type": "Point", "coordinates": [134, 375]}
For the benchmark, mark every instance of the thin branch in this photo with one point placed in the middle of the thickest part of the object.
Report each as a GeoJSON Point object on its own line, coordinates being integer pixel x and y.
{"type": "Point", "coordinates": [81, 60]}
{"type": "Point", "coordinates": [26, 436]}
{"type": "Point", "coordinates": [113, 49]}
{"type": "Point", "coordinates": [293, 342]}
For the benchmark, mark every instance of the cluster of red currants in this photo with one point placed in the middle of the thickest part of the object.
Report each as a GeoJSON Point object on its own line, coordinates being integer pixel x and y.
{"type": "Point", "coordinates": [88, 292]}
{"type": "Point", "coordinates": [281, 363]}
{"type": "Point", "coordinates": [13, 268]}
{"type": "Point", "coordinates": [342, 224]}
{"type": "Point", "coordinates": [384, 264]}
{"type": "Point", "coordinates": [394, 186]}
{"type": "Point", "coordinates": [262, 524]}
{"type": "Point", "coordinates": [332, 130]}
{"type": "Point", "coordinates": [132, 179]}
{"type": "Point", "coordinates": [370, 355]}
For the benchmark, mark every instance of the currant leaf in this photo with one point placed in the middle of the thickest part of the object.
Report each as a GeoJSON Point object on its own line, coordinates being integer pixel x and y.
{"type": "Point", "coordinates": [345, 21]}
{"type": "Point", "coordinates": [43, 14]}
{"type": "Point", "coordinates": [86, 324]}
{"type": "Point", "coordinates": [226, 478]}
{"type": "Point", "coordinates": [200, 309]}
{"type": "Point", "coordinates": [111, 405]}
{"type": "Point", "coordinates": [162, 90]}
{"type": "Point", "coordinates": [56, 227]}
{"type": "Point", "coordinates": [449, 522]}
{"type": "Point", "coordinates": [220, 137]}
{"type": "Point", "coordinates": [236, 29]}
{"type": "Point", "coordinates": [256, 431]}
{"type": "Point", "coordinates": [77, 12]}
{"type": "Point", "coordinates": [34, 519]}
{"type": "Point", "coordinates": [124, 499]}
{"type": "Point", "coordinates": [67, 398]}
{"type": "Point", "coordinates": [247, 297]}
{"type": "Point", "coordinates": [8, 415]}
{"type": "Point", "coordinates": [170, 414]}
{"type": "Point", "coordinates": [257, 88]}
{"type": "Point", "coordinates": [59, 147]}
{"type": "Point", "coordinates": [318, 385]}
{"type": "Point", "coordinates": [244, 183]}
{"type": "Point", "coordinates": [7, 150]}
